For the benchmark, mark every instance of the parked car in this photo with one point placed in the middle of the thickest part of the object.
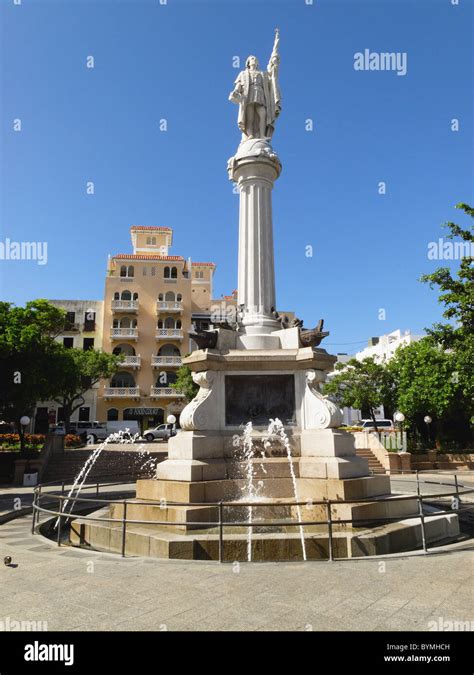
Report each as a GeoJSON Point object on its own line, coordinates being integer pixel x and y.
{"type": "Point", "coordinates": [382, 425]}
{"type": "Point", "coordinates": [91, 432]}
{"type": "Point", "coordinates": [160, 433]}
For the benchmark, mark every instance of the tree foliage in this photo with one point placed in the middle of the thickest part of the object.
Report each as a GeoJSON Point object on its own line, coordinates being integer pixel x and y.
{"type": "Point", "coordinates": [27, 343]}
{"type": "Point", "coordinates": [364, 385]}
{"type": "Point", "coordinates": [185, 383]}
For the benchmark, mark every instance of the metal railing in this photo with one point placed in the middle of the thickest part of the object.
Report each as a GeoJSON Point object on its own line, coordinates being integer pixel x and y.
{"type": "Point", "coordinates": [175, 361]}
{"type": "Point", "coordinates": [125, 305]}
{"type": "Point", "coordinates": [330, 521]}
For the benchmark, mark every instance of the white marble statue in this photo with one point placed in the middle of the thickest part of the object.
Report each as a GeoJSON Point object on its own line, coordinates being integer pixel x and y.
{"type": "Point", "coordinates": [257, 93]}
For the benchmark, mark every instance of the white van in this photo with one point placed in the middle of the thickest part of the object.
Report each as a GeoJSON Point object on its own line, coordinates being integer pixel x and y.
{"type": "Point", "coordinates": [131, 425]}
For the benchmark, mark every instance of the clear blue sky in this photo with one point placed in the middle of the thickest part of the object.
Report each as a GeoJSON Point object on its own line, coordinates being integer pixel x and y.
{"type": "Point", "coordinates": [174, 61]}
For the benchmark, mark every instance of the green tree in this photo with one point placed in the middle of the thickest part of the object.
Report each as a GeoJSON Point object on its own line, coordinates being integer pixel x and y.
{"type": "Point", "coordinates": [27, 342]}
{"type": "Point", "coordinates": [456, 289]}
{"type": "Point", "coordinates": [185, 383]}
{"type": "Point", "coordinates": [364, 385]}
{"type": "Point", "coordinates": [76, 371]}
{"type": "Point", "coordinates": [426, 382]}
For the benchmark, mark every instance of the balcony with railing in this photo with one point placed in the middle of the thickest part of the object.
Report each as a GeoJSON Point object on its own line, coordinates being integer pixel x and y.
{"type": "Point", "coordinates": [130, 361]}
{"type": "Point", "coordinates": [125, 305]}
{"type": "Point", "coordinates": [124, 333]}
{"type": "Point", "coordinates": [170, 361]}
{"type": "Point", "coordinates": [169, 306]}
{"type": "Point", "coordinates": [165, 392]}
{"type": "Point", "coordinates": [122, 392]}
{"type": "Point", "coordinates": [169, 334]}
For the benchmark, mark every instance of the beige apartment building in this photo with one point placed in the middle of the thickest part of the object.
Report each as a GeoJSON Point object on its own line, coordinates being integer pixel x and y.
{"type": "Point", "coordinates": [151, 300]}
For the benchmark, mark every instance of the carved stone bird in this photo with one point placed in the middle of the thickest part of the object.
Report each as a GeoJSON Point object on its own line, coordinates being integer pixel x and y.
{"type": "Point", "coordinates": [314, 337]}
{"type": "Point", "coordinates": [205, 339]}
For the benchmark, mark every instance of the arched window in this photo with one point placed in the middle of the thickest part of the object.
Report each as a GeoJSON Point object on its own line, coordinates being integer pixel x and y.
{"type": "Point", "coordinates": [178, 324]}
{"type": "Point", "coordinates": [131, 271]}
{"type": "Point", "coordinates": [160, 297]}
{"type": "Point", "coordinates": [125, 349]}
{"type": "Point", "coordinates": [116, 295]}
{"type": "Point", "coordinates": [135, 296]}
{"type": "Point", "coordinates": [179, 297]}
{"type": "Point", "coordinates": [112, 415]}
{"type": "Point", "coordinates": [169, 322]}
{"type": "Point", "coordinates": [169, 297]}
{"type": "Point", "coordinates": [126, 295]}
{"type": "Point", "coordinates": [116, 323]}
{"type": "Point", "coordinates": [125, 322]}
{"type": "Point", "coordinates": [159, 324]}
{"type": "Point", "coordinates": [122, 379]}
{"type": "Point", "coordinates": [166, 273]}
{"type": "Point", "coordinates": [169, 350]}
{"type": "Point", "coordinates": [123, 271]}
{"type": "Point", "coordinates": [174, 272]}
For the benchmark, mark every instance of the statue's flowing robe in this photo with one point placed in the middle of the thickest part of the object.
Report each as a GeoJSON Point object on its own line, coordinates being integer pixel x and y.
{"type": "Point", "coordinates": [272, 98]}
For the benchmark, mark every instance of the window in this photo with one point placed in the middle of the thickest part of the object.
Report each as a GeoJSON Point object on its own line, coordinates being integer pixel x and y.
{"type": "Point", "coordinates": [84, 414]}
{"type": "Point", "coordinates": [199, 274]}
{"type": "Point", "coordinates": [116, 295]}
{"type": "Point", "coordinates": [112, 415]}
{"type": "Point", "coordinates": [126, 295]}
{"type": "Point", "coordinates": [69, 320]}
{"type": "Point", "coordinates": [178, 324]}
{"type": "Point", "coordinates": [160, 297]}
{"type": "Point", "coordinates": [179, 297]}
{"type": "Point", "coordinates": [89, 321]}
{"type": "Point", "coordinates": [174, 272]}
{"type": "Point", "coordinates": [166, 273]}
{"type": "Point", "coordinates": [68, 342]}
{"type": "Point", "coordinates": [123, 271]}
{"type": "Point", "coordinates": [169, 297]}
{"type": "Point", "coordinates": [153, 271]}
{"type": "Point", "coordinates": [131, 271]}
{"type": "Point", "coordinates": [88, 343]}
{"type": "Point", "coordinates": [122, 379]}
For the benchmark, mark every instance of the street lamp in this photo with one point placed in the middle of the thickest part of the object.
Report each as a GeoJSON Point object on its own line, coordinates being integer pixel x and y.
{"type": "Point", "coordinates": [399, 417]}
{"type": "Point", "coordinates": [427, 420]}
{"type": "Point", "coordinates": [24, 421]}
{"type": "Point", "coordinates": [171, 419]}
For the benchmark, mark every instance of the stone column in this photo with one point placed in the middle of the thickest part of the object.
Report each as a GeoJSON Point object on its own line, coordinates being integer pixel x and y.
{"type": "Point", "coordinates": [254, 168]}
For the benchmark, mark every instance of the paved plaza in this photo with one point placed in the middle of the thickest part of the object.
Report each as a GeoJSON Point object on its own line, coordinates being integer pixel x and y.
{"type": "Point", "coordinates": [70, 589]}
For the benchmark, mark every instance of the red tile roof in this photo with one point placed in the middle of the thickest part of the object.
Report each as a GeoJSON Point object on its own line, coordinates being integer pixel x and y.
{"type": "Point", "coordinates": [150, 227]}
{"type": "Point", "coordinates": [137, 256]}
{"type": "Point", "coordinates": [203, 264]}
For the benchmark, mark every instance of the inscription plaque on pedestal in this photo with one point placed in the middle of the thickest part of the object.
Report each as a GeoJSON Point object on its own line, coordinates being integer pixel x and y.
{"type": "Point", "coordinates": [259, 398]}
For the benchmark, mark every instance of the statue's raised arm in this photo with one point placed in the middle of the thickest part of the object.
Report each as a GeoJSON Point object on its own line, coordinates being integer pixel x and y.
{"type": "Point", "coordinates": [257, 93]}
{"type": "Point", "coordinates": [274, 61]}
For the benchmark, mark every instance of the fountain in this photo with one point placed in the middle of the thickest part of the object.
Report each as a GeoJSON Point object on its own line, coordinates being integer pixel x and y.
{"type": "Point", "coordinates": [267, 373]}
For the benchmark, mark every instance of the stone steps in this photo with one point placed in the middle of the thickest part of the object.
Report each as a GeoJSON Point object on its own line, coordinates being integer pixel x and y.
{"type": "Point", "coordinates": [374, 465]}
{"type": "Point", "coordinates": [110, 464]}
